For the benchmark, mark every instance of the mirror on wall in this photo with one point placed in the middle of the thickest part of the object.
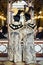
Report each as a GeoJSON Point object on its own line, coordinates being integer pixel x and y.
{"type": "Point", "coordinates": [39, 30]}
{"type": "Point", "coordinates": [3, 30]}
{"type": "Point", "coordinates": [3, 20]}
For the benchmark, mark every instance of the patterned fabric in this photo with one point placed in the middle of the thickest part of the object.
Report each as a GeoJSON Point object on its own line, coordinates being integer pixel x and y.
{"type": "Point", "coordinates": [25, 35]}
{"type": "Point", "coordinates": [22, 35]}
{"type": "Point", "coordinates": [28, 45]}
{"type": "Point", "coordinates": [15, 47]}
{"type": "Point", "coordinates": [29, 49]}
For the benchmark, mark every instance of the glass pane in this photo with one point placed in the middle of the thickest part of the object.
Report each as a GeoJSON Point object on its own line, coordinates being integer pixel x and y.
{"type": "Point", "coordinates": [3, 19]}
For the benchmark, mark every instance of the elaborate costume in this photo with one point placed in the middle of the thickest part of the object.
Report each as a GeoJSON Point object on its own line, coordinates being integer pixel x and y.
{"type": "Point", "coordinates": [21, 31]}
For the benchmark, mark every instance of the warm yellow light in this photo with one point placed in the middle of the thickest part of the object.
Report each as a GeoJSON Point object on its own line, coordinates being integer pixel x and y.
{"type": "Point", "coordinates": [2, 17]}
{"type": "Point", "coordinates": [36, 17]}
{"type": "Point", "coordinates": [40, 12]}
{"type": "Point", "coordinates": [40, 17]}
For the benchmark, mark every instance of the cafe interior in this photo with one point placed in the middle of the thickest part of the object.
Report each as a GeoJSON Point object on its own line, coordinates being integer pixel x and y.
{"type": "Point", "coordinates": [6, 31]}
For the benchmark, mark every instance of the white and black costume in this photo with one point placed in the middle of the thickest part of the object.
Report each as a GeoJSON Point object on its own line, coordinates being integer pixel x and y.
{"type": "Point", "coordinates": [21, 33]}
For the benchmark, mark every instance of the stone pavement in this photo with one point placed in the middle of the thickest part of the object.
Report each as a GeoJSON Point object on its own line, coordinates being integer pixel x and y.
{"type": "Point", "coordinates": [11, 63]}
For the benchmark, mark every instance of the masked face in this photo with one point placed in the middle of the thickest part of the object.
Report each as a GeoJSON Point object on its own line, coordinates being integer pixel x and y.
{"type": "Point", "coordinates": [26, 9]}
{"type": "Point", "coordinates": [27, 16]}
{"type": "Point", "coordinates": [14, 10]}
{"type": "Point", "coordinates": [17, 16]}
